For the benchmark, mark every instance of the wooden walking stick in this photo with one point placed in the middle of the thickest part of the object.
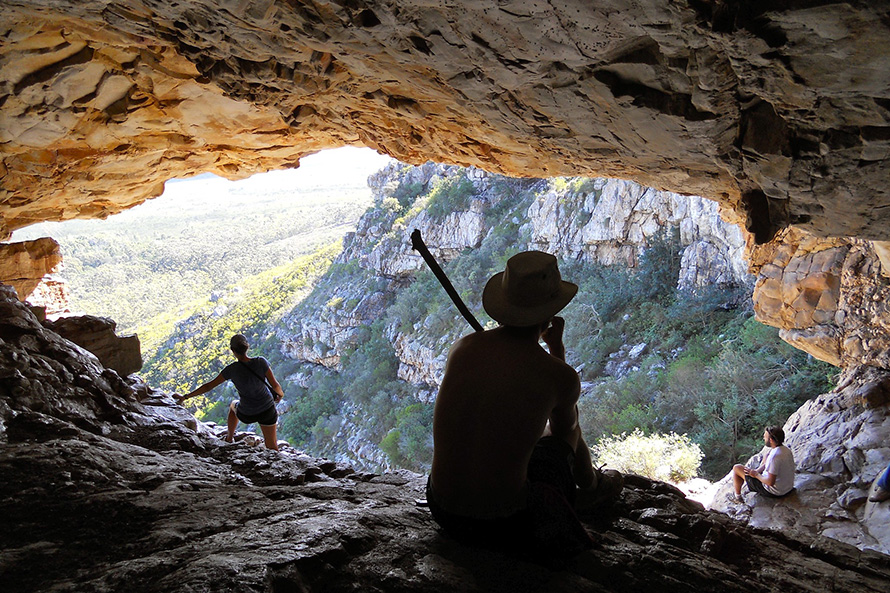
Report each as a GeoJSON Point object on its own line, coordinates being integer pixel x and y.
{"type": "Point", "coordinates": [418, 245]}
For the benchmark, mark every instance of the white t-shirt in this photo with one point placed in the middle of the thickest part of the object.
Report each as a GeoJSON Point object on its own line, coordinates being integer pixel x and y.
{"type": "Point", "coordinates": [780, 463]}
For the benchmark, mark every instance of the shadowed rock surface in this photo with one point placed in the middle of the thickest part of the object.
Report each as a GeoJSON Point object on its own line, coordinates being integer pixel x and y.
{"type": "Point", "coordinates": [113, 487]}
{"type": "Point", "coordinates": [97, 335]}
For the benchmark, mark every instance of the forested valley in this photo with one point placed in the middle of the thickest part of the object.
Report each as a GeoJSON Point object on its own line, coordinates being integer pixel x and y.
{"type": "Point", "coordinates": [706, 376]}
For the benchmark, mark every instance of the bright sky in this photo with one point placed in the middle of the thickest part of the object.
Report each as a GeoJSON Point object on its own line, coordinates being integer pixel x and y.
{"type": "Point", "coordinates": [348, 165]}
{"type": "Point", "coordinates": [333, 170]}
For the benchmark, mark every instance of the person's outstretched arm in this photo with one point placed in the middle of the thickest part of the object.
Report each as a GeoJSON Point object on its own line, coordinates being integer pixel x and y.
{"type": "Point", "coordinates": [219, 380]}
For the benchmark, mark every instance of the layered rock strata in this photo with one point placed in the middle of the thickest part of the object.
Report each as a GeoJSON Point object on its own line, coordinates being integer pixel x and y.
{"type": "Point", "coordinates": [27, 267]}
{"type": "Point", "coordinates": [115, 487]}
{"type": "Point", "coordinates": [828, 296]}
{"type": "Point", "coordinates": [779, 112]}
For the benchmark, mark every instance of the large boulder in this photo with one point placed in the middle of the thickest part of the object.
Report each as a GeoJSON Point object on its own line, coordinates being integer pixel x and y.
{"type": "Point", "coordinates": [27, 267]}
{"type": "Point", "coordinates": [97, 335]}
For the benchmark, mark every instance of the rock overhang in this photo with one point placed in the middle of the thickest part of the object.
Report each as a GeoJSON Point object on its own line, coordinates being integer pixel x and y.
{"type": "Point", "coordinates": [780, 114]}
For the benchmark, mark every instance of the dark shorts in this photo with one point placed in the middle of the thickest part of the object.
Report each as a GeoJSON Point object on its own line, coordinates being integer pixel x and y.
{"type": "Point", "coordinates": [547, 526]}
{"type": "Point", "coordinates": [552, 463]}
{"type": "Point", "coordinates": [268, 417]}
{"type": "Point", "coordinates": [757, 486]}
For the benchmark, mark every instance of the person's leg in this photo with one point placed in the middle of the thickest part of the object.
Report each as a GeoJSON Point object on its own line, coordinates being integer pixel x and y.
{"type": "Point", "coordinates": [738, 478]}
{"type": "Point", "coordinates": [884, 480]}
{"type": "Point", "coordinates": [231, 423]}
{"type": "Point", "coordinates": [270, 436]}
{"type": "Point", "coordinates": [585, 476]}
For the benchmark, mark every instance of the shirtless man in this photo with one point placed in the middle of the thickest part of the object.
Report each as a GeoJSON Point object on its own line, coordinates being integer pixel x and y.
{"type": "Point", "coordinates": [500, 394]}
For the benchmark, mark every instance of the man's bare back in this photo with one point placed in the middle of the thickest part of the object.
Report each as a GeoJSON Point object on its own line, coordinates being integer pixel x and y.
{"type": "Point", "coordinates": [499, 392]}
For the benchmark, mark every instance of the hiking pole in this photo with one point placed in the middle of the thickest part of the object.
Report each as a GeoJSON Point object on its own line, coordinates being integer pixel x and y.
{"type": "Point", "coordinates": [418, 245]}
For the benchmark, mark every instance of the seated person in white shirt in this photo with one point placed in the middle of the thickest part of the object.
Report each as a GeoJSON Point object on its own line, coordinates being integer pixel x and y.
{"type": "Point", "coordinates": [775, 476]}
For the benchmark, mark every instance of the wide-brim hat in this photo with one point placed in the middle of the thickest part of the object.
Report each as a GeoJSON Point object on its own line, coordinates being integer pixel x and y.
{"type": "Point", "coordinates": [528, 292]}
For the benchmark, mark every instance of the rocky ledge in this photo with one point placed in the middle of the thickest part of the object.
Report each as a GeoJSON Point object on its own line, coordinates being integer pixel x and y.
{"type": "Point", "coordinates": [112, 486]}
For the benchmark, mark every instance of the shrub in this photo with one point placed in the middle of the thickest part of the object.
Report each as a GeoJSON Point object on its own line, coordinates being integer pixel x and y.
{"type": "Point", "coordinates": [450, 194]}
{"type": "Point", "coordinates": [666, 457]}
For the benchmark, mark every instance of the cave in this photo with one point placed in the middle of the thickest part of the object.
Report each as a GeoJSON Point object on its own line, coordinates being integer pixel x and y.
{"type": "Point", "coordinates": [776, 111]}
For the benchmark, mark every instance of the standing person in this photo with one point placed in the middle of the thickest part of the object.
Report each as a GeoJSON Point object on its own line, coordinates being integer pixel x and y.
{"type": "Point", "coordinates": [508, 454]}
{"type": "Point", "coordinates": [257, 403]}
{"type": "Point", "coordinates": [775, 476]}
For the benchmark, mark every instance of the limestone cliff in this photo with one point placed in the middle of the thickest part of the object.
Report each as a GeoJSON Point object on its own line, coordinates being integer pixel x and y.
{"type": "Point", "coordinates": [114, 487]}
{"type": "Point", "coordinates": [599, 220]}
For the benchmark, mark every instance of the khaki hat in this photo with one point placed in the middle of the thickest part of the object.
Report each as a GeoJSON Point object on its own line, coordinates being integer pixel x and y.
{"type": "Point", "coordinates": [528, 292]}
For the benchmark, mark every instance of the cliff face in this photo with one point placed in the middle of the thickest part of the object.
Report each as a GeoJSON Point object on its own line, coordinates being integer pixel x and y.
{"type": "Point", "coordinates": [597, 220]}
{"type": "Point", "coordinates": [114, 487]}
{"type": "Point", "coordinates": [28, 268]}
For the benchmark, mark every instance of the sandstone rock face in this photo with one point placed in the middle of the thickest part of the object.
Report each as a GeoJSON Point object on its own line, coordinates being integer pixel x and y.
{"type": "Point", "coordinates": [26, 267]}
{"type": "Point", "coordinates": [114, 487]}
{"type": "Point", "coordinates": [96, 335]}
{"type": "Point", "coordinates": [841, 444]}
{"type": "Point", "coordinates": [829, 297]}
{"type": "Point", "coordinates": [778, 112]}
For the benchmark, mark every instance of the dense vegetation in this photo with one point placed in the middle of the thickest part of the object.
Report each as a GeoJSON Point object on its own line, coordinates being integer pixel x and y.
{"type": "Point", "coordinates": [711, 370]}
{"type": "Point", "coordinates": [708, 369]}
{"type": "Point", "coordinates": [171, 254]}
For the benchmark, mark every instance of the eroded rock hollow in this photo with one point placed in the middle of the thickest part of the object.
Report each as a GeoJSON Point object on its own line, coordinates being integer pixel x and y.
{"type": "Point", "coordinates": [779, 112]}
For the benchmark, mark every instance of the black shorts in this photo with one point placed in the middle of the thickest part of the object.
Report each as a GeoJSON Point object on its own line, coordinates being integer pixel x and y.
{"type": "Point", "coordinates": [755, 485]}
{"type": "Point", "coordinates": [268, 417]}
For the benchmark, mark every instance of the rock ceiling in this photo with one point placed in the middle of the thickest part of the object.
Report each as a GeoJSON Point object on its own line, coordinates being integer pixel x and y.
{"type": "Point", "coordinates": [778, 110]}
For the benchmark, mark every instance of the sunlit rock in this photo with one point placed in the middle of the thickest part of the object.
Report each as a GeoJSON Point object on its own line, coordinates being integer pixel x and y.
{"type": "Point", "coordinates": [612, 221]}
{"type": "Point", "coordinates": [97, 335]}
{"type": "Point", "coordinates": [27, 267]}
{"type": "Point", "coordinates": [828, 296]}
{"type": "Point", "coordinates": [777, 112]}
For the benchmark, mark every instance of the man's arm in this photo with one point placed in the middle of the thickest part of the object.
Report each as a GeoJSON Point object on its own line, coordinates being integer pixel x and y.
{"type": "Point", "coordinates": [564, 416]}
{"type": "Point", "coordinates": [202, 389]}
{"type": "Point", "coordinates": [552, 336]}
{"type": "Point", "coordinates": [762, 473]}
{"type": "Point", "coordinates": [767, 478]}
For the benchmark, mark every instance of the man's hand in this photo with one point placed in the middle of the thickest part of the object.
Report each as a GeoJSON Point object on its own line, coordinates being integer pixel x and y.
{"type": "Point", "coordinates": [552, 336]}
